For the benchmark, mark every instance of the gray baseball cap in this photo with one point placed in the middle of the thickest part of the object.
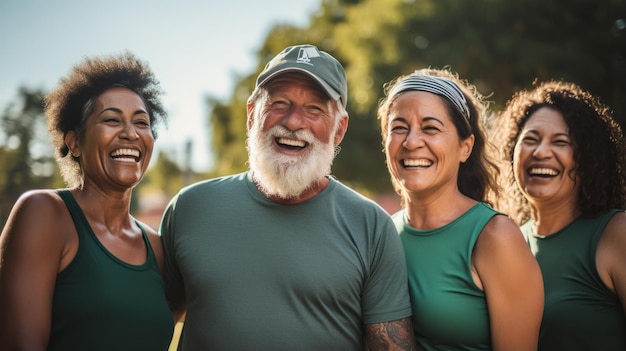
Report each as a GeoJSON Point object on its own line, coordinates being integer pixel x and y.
{"type": "Point", "coordinates": [308, 59]}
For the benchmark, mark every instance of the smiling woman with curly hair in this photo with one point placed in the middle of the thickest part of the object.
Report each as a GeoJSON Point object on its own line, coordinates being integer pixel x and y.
{"type": "Point", "coordinates": [77, 271]}
{"type": "Point", "coordinates": [72, 101]}
{"type": "Point", "coordinates": [565, 160]}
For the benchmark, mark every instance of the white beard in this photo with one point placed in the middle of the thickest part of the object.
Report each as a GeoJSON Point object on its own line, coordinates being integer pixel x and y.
{"type": "Point", "coordinates": [283, 175]}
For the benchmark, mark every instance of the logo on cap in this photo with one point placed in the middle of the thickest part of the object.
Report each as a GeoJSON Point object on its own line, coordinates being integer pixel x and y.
{"type": "Point", "coordinates": [305, 54]}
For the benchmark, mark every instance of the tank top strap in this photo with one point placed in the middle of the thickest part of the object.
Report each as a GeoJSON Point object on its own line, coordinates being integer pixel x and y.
{"type": "Point", "coordinates": [80, 221]}
{"type": "Point", "coordinates": [85, 231]}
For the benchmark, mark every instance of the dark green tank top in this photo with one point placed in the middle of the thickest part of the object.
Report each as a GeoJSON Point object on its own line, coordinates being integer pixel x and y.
{"type": "Point", "coordinates": [580, 312]}
{"type": "Point", "coordinates": [449, 310]}
{"type": "Point", "coordinates": [102, 303]}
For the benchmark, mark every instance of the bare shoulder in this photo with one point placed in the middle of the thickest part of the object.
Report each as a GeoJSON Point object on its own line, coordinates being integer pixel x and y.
{"type": "Point", "coordinates": [40, 226]}
{"type": "Point", "coordinates": [610, 258]}
{"type": "Point", "coordinates": [36, 208]}
{"type": "Point", "coordinates": [502, 249]}
{"type": "Point", "coordinates": [616, 228]}
{"type": "Point", "coordinates": [44, 198]}
{"type": "Point", "coordinates": [500, 230]}
{"type": "Point", "coordinates": [613, 239]}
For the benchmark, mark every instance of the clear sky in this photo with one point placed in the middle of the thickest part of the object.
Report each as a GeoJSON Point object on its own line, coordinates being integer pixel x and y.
{"type": "Point", "coordinates": [195, 47]}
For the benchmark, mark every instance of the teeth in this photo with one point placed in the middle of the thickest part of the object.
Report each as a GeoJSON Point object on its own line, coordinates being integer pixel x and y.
{"type": "Point", "coordinates": [417, 163]}
{"type": "Point", "coordinates": [291, 142]}
{"type": "Point", "coordinates": [129, 155]}
{"type": "Point", "coordinates": [543, 171]}
{"type": "Point", "coordinates": [126, 159]}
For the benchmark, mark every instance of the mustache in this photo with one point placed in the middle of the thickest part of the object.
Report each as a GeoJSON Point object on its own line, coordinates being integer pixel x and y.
{"type": "Point", "coordinates": [279, 131]}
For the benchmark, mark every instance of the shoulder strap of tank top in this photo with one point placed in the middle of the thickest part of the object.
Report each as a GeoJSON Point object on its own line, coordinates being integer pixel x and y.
{"type": "Point", "coordinates": [75, 211]}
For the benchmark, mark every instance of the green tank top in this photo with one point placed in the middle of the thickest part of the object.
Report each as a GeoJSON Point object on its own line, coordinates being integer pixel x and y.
{"type": "Point", "coordinates": [102, 303]}
{"type": "Point", "coordinates": [449, 310]}
{"type": "Point", "coordinates": [580, 312]}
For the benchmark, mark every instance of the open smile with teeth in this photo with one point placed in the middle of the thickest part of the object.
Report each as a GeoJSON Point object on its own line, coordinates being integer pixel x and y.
{"type": "Point", "coordinates": [126, 155]}
{"type": "Point", "coordinates": [416, 163]}
{"type": "Point", "coordinates": [543, 172]}
{"type": "Point", "coordinates": [291, 143]}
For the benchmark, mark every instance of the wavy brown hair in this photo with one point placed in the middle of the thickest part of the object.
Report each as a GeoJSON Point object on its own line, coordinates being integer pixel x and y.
{"type": "Point", "coordinates": [477, 176]}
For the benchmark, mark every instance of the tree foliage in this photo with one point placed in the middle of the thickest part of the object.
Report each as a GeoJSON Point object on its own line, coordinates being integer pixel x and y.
{"type": "Point", "coordinates": [26, 157]}
{"type": "Point", "coordinates": [500, 46]}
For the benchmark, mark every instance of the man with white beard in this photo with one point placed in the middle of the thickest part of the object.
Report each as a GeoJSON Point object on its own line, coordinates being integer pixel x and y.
{"type": "Point", "coordinates": [284, 256]}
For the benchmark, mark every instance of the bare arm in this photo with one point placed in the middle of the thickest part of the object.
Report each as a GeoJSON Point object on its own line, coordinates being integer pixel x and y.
{"type": "Point", "coordinates": [610, 257]}
{"type": "Point", "coordinates": [513, 285]}
{"type": "Point", "coordinates": [394, 335]}
{"type": "Point", "coordinates": [32, 245]}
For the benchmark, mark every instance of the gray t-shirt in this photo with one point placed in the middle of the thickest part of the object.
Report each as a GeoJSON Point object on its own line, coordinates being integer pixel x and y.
{"type": "Point", "coordinates": [258, 275]}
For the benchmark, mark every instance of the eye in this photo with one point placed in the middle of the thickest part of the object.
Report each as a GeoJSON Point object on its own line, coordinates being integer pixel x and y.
{"type": "Point", "coordinates": [431, 128]}
{"type": "Point", "coordinates": [143, 123]}
{"type": "Point", "coordinates": [314, 108]}
{"type": "Point", "coordinates": [561, 142]}
{"type": "Point", "coordinates": [111, 120]}
{"type": "Point", "coordinates": [398, 128]}
{"type": "Point", "coordinates": [529, 140]}
{"type": "Point", "coordinates": [279, 104]}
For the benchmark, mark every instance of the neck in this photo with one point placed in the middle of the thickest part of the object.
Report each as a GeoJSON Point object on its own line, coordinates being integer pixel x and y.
{"type": "Point", "coordinates": [549, 219]}
{"type": "Point", "coordinates": [106, 208]}
{"type": "Point", "coordinates": [436, 212]}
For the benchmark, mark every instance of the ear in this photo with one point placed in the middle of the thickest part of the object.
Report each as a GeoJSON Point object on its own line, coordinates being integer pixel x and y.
{"type": "Point", "coordinates": [466, 147]}
{"type": "Point", "coordinates": [342, 128]}
{"type": "Point", "coordinates": [250, 112]}
{"type": "Point", "coordinates": [71, 140]}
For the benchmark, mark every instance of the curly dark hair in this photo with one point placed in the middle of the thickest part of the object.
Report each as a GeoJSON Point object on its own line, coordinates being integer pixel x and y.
{"type": "Point", "coordinates": [598, 145]}
{"type": "Point", "coordinates": [477, 176]}
{"type": "Point", "coordinates": [69, 104]}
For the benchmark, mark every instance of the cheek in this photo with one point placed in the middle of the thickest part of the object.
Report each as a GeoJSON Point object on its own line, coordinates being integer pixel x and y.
{"type": "Point", "coordinates": [391, 147]}
{"type": "Point", "coordinates": [148, 141]}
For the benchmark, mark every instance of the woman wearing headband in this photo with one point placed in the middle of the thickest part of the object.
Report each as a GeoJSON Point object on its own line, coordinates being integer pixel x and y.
{"type": "Point", "coordinates": [473, 281]}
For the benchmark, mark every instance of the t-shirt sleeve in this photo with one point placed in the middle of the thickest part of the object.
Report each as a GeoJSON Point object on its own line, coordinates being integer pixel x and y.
{"type": "Point", "coordinates": [172, 278]}
{"type": "Point", "coordinates": [386, 295]}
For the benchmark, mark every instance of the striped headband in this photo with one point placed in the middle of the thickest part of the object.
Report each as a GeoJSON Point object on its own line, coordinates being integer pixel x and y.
{"type": "Point", "coordinates": [436, 85]}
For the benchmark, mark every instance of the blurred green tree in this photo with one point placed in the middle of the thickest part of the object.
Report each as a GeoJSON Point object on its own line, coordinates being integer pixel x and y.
{"type": "Point", "coordinates": [26, 156]}
{"type": "Point", "coordinates": [165, 175]}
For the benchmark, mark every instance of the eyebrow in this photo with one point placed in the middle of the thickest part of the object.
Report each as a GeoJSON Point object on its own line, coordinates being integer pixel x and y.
{"type": "Point", "coordinates": [398, 119]}
{"type": "Point", "coordinates": [426, 119]}
{"type": "Point", "coordinates": [118, 110]}
{"type": "Point", "coordinates": [534, 131]}
{"type": "Point", "coordinates": [430, 118]}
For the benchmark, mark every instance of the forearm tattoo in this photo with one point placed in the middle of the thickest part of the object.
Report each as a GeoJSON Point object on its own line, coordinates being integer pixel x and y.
{"type": "Point", "coordinates": [394, 335]}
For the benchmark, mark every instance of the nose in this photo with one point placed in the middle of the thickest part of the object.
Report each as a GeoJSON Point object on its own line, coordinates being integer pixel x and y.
{"type": "Point", "coordinates": [543, 150]}
{"type": "Point", "coordinates": [413, 140]}
{"type": "Point", "coordinates": [129, 132]}
{"type": "Point", "coordinates": [295, 118]}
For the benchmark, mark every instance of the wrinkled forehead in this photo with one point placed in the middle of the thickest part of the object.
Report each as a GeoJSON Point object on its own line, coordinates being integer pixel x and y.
{"type": "Point", "coordinates": [294, 80]}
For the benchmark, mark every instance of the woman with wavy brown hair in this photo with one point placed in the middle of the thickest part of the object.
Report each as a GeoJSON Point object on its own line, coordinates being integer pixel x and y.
{"type": "Point", "coordinates": [474, 284]}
